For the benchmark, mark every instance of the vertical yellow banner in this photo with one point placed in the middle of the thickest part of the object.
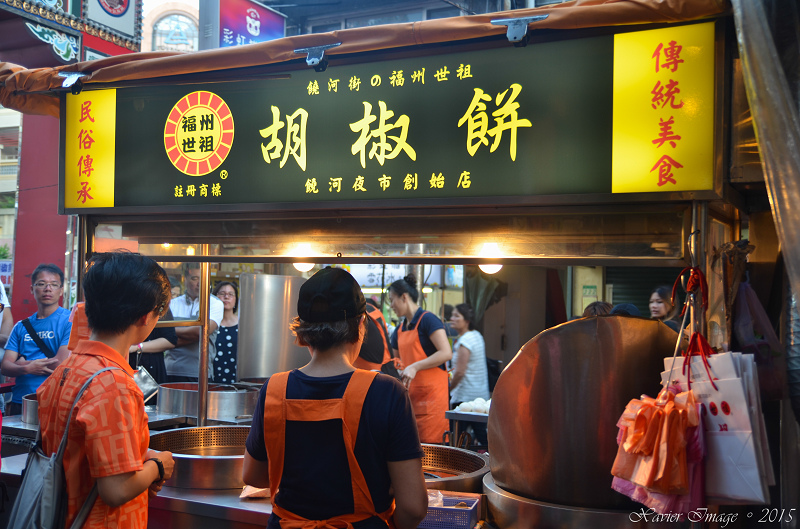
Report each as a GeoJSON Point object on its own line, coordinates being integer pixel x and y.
{"type": "Point", "coordinates": [663, 135]}
{"type": "Point", "coordinates": [90, 146]}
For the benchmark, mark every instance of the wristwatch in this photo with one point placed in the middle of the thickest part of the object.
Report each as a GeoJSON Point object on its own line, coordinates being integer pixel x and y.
{"type": "Point", "coordinates": [160, 466]}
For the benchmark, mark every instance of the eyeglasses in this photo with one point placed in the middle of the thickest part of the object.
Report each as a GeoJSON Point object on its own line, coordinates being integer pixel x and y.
{"type": "Point", "coordinates": [226, 294]}
{"type": "Point", "coordinates": [42, 285]}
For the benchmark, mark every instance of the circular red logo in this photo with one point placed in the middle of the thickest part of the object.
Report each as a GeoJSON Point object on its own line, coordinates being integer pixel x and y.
{"type": "Point", "coordinates": [115, 8]}
{"type": "Point", "coordinates": [713, 408]}
{"type": "Point", "coordinates": [726, 409]}
{"type": "Point", "coordinates": [198, 134]}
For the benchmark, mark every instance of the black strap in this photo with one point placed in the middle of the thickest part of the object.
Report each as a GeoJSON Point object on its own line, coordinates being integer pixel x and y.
{"type": "Point", "coordinates": [46, 350]}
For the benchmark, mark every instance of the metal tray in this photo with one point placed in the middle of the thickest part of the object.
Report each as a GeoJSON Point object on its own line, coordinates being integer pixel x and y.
{"type": "Point", "coordinates": [208, 457]}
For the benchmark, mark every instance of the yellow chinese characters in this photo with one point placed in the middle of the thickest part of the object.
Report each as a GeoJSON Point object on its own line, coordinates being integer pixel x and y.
{"type": "Point", "coordinates": [381, 149]}
{"type": "Point", "coordinates": [89, 149]}
{"type": "Point", "coordinates": [506, 119]}
{"type": "Point", "coordinates": [192, 190]}
{"type": "Point", "coordinates": [295, 137]}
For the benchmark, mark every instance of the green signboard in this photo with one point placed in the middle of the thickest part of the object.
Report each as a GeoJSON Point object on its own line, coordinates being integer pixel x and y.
{"type": "Point", "coordinates": [500, 122]}
{"type": "Point", "coordinates": [470, 126]}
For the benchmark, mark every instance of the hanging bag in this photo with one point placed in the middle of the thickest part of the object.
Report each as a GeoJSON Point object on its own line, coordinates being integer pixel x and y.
{"type": "Point", "coordinates": [42, 499]}
{"type": "Point", "coordinates": [737, 459]}
{"type": "Point", "coordinates": [755, 335]}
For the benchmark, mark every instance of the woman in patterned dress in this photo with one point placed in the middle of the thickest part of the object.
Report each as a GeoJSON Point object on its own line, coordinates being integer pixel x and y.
{"type": "Point", "coordinates": [228, 335]}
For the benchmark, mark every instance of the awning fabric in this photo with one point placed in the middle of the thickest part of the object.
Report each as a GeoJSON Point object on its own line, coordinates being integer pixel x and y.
{"type": "Point", "coordinates": [29, 90]}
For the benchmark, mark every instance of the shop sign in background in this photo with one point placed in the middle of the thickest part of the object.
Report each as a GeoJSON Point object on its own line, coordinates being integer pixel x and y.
{"type": "Point", "coordinates": [247, 22]}
{"type": "Point", "coordinates": [119, 15]}
{"type": "Point", "coordinates": [481, 124]}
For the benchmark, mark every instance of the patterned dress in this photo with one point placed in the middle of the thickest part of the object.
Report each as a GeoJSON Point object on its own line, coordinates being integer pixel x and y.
{"type": "Point", "coordinates": [225, 361]}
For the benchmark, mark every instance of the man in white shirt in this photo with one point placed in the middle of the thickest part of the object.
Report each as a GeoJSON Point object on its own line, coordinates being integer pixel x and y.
{"type": "Point", "coordinates": [8, 320]}
{"type": "Point", "coordinates": [183, 362]}
{"type": "Point", "coordinates": [5, 330]}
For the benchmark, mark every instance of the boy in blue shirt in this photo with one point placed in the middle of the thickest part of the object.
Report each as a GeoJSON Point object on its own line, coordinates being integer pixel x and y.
{"type": "Point", "coordinates": [24, 359]}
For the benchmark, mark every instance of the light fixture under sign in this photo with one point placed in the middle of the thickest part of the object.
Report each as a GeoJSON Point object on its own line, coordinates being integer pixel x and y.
{"type": "Point", "coordinates": [490, 249]}
{"type": "Point", "coordinates": [302, 250]}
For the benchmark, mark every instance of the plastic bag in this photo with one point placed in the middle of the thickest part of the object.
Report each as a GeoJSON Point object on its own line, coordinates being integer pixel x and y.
{"type": "Point", "coordinates": [755, 335]}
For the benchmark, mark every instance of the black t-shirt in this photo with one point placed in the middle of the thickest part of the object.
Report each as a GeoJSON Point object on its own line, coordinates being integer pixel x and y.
{"type": "Point", "coordinates": [316, 477]}
{"type": "Point", "coordinates": [373, 347]}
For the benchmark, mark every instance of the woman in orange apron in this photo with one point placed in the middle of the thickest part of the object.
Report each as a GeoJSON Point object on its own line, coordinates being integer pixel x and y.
{"type": "Point", "coordinates": [421, 342]}
{"type": "Point", "coordinates": [332, 441]}
{"type": "Point", "coordinates": [375, 350]}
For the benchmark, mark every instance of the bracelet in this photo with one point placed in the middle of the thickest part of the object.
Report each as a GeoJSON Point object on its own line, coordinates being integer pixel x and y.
{"type": "Point", "coordinates": [160, 466]}
{"type": "Point", "coordinates": [139, 347]}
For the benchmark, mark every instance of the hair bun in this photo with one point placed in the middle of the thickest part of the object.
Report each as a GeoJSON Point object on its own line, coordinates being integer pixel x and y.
{"type": "Point", "coordinates": [411, 279]}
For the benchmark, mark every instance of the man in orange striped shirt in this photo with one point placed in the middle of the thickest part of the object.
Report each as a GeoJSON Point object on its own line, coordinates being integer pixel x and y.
{"type": "Point", "coordinates": [125, 295]}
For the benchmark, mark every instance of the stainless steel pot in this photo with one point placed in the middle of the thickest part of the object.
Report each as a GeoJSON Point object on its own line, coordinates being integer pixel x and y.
{"type": "Point", "coordinates": [30, 409]}
{"type": "Point", "coordinates": [267, 305]}
{"type": "Point", "coordinates": [225, 402]}
{"type": "Point", "coordinates": [454, 469]}
{"type": "Point", "coordinates": [209, 457]}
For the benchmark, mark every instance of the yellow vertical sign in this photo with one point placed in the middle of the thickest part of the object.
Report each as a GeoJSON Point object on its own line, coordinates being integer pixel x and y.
{"type": "Point", "coordinates": [663, 132]}
{"type": "Point", "coordinates": [90, 145]}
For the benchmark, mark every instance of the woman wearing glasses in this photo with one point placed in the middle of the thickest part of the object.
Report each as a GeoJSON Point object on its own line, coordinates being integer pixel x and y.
{"type": "Point", "coordinates": [228, 336]}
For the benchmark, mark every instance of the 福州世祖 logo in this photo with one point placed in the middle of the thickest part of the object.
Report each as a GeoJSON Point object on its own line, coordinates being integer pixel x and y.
{"type": "Point", "coordinates": [115, 8]}
{"type": "Point", "coordinates": [198, 134]}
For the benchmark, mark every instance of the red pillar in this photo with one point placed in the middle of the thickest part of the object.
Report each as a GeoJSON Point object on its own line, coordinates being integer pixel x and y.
{"type": "Point", "coordinates": [40, 230]}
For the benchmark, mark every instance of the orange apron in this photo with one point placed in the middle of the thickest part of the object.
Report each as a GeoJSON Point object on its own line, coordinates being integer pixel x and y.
{"type": "Point", "coordinates": [278, 409]}
{"type": "Point", "coordinates": [377, 317]}
{"type": "Point", "coordinates": [429, 389]}
{"type": "Point", "coordinates": [80, 325]}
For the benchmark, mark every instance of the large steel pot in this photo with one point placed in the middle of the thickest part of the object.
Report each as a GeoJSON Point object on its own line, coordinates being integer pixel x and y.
{"type": "Point", "coordinates": [209, 457]}
{"type": "Point", "coordinates": [267, 305]}
{"type": "Point", "coordinates": [552, 425]}
{"type": "Point", "coordinates": [225, 402]}
{"type": "Point", "coordinates": [30, 409]}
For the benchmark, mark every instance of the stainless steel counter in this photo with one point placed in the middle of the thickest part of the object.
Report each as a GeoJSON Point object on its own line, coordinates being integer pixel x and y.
{"type": "Point", "coordinates": [175, 508]}
{"type": "Point", "coordinates": [467, 416]}
{"type": "Point", "coordinates": [13, 424]}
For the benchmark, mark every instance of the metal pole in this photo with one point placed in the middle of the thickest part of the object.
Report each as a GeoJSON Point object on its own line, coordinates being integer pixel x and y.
{"type": "Point", "coordinates": [693, 261]}
{"type": "Point", "coordinates": [202, 376]}
{"type": "Point", "coordinates": [702, 236]}
{"type": "Point", "coordinates": [383, 285]}
{"type": "Point", "coordinates": [442, 285]}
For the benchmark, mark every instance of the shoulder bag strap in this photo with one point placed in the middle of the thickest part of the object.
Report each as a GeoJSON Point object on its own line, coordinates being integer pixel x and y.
{"type": "Point", "coordinates": [63, 445]}
{"type": "Point", "coordinates": [35, 337]}
{"type": "Point", "coordinates": [87, 506]}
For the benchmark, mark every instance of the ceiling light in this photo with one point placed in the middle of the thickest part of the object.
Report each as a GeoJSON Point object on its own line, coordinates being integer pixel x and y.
{"type": "Point", "coordinates": [490, 249]}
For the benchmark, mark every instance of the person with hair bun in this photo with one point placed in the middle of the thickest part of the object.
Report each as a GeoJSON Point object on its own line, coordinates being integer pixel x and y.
{"type": "Point", "coordinates": [421, 342]}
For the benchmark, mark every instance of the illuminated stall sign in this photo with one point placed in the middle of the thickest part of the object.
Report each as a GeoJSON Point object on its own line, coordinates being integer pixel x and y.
{"type": "Point", "coordinates": [663, 110]}
{"type": "Point", "coordinates": [540, 120]}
